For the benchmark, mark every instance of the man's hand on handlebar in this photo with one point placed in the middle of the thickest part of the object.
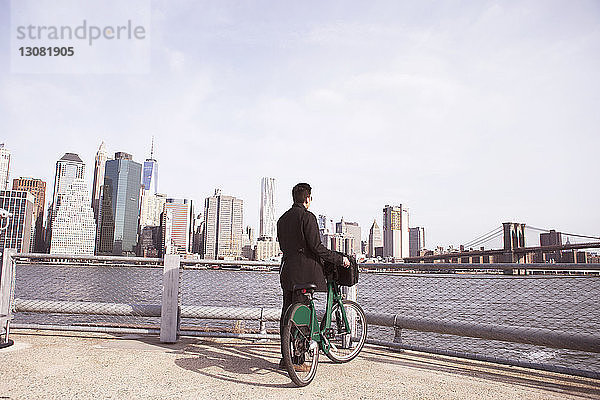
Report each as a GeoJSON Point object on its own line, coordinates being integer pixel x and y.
{"type": "Point", "coordinates": [346, 262]}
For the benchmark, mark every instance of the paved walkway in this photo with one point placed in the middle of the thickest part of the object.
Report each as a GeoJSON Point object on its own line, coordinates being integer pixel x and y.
{"type": "Point", "coordinates": [46, 365]}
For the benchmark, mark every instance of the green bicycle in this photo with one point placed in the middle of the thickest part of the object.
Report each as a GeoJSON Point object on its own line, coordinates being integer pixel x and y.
{"type": "Point", "coordinates": [341, 334]}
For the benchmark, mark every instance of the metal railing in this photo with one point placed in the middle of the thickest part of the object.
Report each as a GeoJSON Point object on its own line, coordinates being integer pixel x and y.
{"type": "Point", "coordinates": [542, 318]}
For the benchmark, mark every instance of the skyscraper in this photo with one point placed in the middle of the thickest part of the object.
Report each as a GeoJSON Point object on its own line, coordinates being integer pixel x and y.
{"type": "Point", "coordinates": [4, 167]}
{"type": "Point", "coordinates": [417, 241]}
{"type": "Point", "coordinates": [177, 226]}
{"type": "Point", "coordinates": [99, 167]}
{"type": "Point", "coordinates": [249, 232]}
{"type": "Point", "coordinates": [375, 239]}
{"type": "Point", "coordinates": [248, 243]}
{"type": "Point", "coordinates": [268, 226]}
{"type": "Point", "coordinates": [150, 176]}
{"type": "Point", "coordinates": [68, 168]}
{"type": "Point", "coordinates": [152, 202]}
{"type": "Point", "coordinates": [198, 237]}
{"type": "Point", "coordinates": [223, 224]}
{"type": "Point", "coordinates": [74, 227]}
{"type": "Point", "coordinates": [120, 205]}
{"type": "Point", "coordinates": [37, 188]}
{"type": "Point", "coordinates": [395, 232]}
{"type": "Point", "coordinates": [17, 234]}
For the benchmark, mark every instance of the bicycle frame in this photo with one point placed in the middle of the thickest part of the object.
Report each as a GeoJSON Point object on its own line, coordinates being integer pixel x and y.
{"type": "Point", "coordinates": [307, 316]}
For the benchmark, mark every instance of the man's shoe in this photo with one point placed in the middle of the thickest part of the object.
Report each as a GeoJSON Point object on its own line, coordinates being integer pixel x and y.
{"type": "Point", "coordinates": [298, 367]}
{"type": "Point", "coordinates": [302, 367]}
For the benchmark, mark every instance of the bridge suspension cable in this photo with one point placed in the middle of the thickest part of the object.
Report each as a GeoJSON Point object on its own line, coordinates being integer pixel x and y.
{"type": "Point", "coordinates": [483, 238]}
{"type": "Point", "coordinates": [486, 239]}
{"type": "Point", "coordinates": [563, 233]}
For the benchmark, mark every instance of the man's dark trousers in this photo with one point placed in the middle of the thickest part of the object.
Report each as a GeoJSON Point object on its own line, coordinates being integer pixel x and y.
{"type": "Point", "coordinates": [288, 300]}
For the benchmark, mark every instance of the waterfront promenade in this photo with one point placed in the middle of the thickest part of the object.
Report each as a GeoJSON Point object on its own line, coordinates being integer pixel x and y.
{"type": "Point", "coordinates": [44, 364]}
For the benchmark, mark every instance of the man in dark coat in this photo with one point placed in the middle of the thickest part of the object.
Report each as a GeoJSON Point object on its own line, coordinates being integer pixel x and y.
{"type": "Point", "coordinates": [303, 252]}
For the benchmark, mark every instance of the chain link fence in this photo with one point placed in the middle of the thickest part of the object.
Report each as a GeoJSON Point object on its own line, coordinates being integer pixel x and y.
{"type": "Point", "coordinates": [559, 303]}
{"type": "Point", "coordinates": [229, 299]}
{"type": "Point", "coordinates": [88, 295]}
{"type": "Point", "coordinates": [252, 293]}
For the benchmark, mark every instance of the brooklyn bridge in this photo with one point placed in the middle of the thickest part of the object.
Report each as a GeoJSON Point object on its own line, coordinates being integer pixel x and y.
{"type": "Point", "coordinates": [515, 250]}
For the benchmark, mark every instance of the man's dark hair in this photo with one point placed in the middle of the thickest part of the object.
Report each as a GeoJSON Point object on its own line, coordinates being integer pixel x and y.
{"type": "Point", "coordinates": [300, 192]}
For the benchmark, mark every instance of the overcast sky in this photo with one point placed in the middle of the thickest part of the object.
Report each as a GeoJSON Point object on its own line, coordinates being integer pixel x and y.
{"type": "Point", "coordinates": [468, 113]}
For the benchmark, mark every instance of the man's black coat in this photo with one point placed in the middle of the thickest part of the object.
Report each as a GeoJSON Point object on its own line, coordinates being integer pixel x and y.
{"type": "Point", "coordinates": [298, 234]}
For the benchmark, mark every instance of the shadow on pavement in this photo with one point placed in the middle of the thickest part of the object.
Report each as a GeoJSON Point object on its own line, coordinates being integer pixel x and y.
{"type": "Point", "coordinates": [565, 384]}
{"type": "Point", "coordinates": [239, 363]}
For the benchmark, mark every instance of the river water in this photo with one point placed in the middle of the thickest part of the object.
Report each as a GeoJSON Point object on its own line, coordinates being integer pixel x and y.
{"type": "Point", "coordinates": [563, 303]}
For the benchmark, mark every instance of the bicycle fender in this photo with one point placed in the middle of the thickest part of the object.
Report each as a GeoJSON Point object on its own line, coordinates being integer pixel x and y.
{"type": "Point", "coordinates": [302, 316]}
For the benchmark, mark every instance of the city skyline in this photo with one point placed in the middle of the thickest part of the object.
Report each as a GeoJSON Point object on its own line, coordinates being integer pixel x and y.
{"type": "Point", "coordinates": [428, 105]}
{"type": "Point", "coordinates": [74, 158]}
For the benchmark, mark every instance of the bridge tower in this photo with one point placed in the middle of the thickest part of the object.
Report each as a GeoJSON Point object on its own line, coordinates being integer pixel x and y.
{"type": "Point", "coordinates": [514, 238]}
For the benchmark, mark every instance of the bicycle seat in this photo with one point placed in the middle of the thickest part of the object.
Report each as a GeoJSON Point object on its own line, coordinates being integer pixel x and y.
{"type": "Point", "coordinates": [305, 287]}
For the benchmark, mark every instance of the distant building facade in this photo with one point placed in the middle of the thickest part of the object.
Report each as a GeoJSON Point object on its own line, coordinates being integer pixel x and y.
{"type": "Point", "coordinates": [150, 241]}
{"type": "Point", "coordinates": [17, 234]}
{"type": "Point", "coordinates": [416, 241]}
{"type": "Point", "coordinates": [250, 234]}
{"type": "Point", "coordinates": [266, 249]}
{"type": "Point", "coordinates": [326, 225]}
{"type": "Point", "coordinates": [198, 237]}
{"type": "Point", "coordinates": [4, 167]}
{"type": "Point", "coordinates": [338, 242]}
{"type": "Point", "coordinates": [223, 224]}
{"type": "Point", "coordinates": [74, 226]}
{"type": "Point", "coordinates": [248, 243]}
{"type": "Point", "coordinates": [152, 205]}
{"type": "Point", "coordinates": [68, 168]}
{"type": "Point", "coordinates": [177, 226]}
{"type": "Point", "coordinates": [37, 188]}
{"type": "Point", "coordinates": [342, 236]}
{"type": "Point", "coordinates": [552, 238]}
{"type": "Point", "coordinates": [120, 206]}
{"type": "Point", "coordinates": [352, 231]}
{"type": "Point", "coordinates": [395, 232]}
{"type": "Point", "coordinates": [268, 225]}
{"type": "Point", "coordinates": [364, 247]}
{"type": "Point", "coordinates": [326, 230]}
{"type": "Point", "coordinates": [375, 240]}
{"type": "Point", "coordinates": [150, 173]}
{"type": "Point", "coordinates": [151, 209]}
{"type": "Point", "coordinates": [99, 167]}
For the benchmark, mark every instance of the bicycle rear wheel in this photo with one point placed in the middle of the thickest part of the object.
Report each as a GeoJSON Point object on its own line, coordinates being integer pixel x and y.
{"type": "Point", "coordinates": [299, 357]}
{"type": "Point", "coordinates": [345, 346]}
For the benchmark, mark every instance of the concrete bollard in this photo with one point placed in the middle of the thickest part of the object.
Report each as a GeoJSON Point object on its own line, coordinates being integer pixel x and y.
{"type": "Point", "coordinates": [6, 292]}
{"type": "Point", "coordinates": [169, 314]}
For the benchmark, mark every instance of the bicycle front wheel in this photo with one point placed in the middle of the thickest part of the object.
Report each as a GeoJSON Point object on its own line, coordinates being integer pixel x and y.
{"type": "Point", "coordinates": [300, 354]}
{"type": "Point", "coordinates": [345, 346]}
